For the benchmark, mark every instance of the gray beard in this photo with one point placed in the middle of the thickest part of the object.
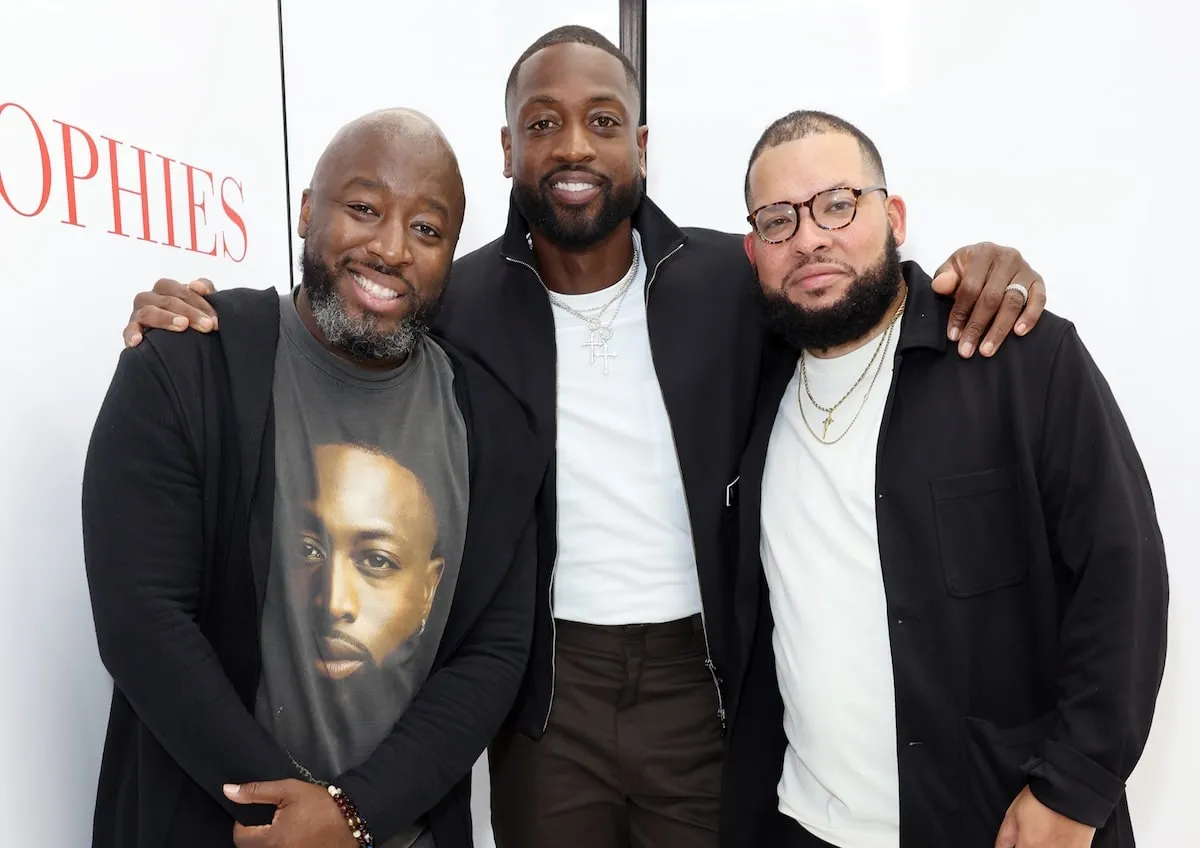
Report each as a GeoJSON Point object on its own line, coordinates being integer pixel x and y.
{"type": "Point", "coordinates": [360, 337]}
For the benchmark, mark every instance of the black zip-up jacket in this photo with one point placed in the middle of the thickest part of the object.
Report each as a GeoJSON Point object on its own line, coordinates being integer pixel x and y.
{"type": "Point", "coordinates": [705, 329]}
{"type": "Point", "coordinates": [1026, 588]}
{"type": "Point", "coordinates": [178, 496]}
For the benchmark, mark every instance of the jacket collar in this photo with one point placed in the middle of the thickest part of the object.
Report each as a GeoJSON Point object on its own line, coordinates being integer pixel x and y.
{"type": "Point", "coordinates": [925, 316]}
{"type": "Point", "coordinates": [659, 234]}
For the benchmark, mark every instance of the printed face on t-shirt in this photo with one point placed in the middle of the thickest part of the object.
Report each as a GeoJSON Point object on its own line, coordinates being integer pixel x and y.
{"type": "Point", "coordinates": [366, 558]}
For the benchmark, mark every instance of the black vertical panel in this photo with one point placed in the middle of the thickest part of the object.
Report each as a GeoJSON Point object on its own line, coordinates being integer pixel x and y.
{"type": "Point", "coordinates": [633, 42]}
{"type": "Point", "coordinates": [287, 173]}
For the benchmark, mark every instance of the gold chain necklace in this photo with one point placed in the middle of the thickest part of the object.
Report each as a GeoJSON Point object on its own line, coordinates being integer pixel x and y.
{"type": "Point", "coordinates": [884, 341]}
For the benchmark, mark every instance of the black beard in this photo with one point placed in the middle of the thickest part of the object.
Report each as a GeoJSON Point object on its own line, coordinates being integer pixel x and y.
{"type": "Point", "coordinates": [573, 229]}
{"type": "Point", "coordinates": [859, 311]}
{"type": "Point", "coordinates": [354, 710]}
{"type": "Point", "coordinates": [359, 337]}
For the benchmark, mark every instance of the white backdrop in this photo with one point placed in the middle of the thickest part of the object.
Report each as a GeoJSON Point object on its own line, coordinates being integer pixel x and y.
{"type": "Point", "coordinates": [197, 84]}
{"type": "Point", "coordinates": [1066, 129]}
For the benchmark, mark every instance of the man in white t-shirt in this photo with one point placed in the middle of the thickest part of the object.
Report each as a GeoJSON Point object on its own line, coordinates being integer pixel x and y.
{"type": "Point", "coordinates": [966, 589]}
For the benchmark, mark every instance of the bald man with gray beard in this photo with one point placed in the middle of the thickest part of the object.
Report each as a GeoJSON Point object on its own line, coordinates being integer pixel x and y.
{"type": "Point", "coordinates": [309, 538]}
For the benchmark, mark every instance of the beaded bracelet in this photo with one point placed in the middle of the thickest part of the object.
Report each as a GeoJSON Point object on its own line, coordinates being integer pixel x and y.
{"type": "Point", "coordinates": [358, 827]}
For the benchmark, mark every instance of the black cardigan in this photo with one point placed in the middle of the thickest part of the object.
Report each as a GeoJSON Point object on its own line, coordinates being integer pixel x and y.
{"type": "Point", "coordinates": [177, 524]}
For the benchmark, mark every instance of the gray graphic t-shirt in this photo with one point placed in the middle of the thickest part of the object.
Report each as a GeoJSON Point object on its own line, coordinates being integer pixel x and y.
{"type": "Point", "coordinates": [370, 515]}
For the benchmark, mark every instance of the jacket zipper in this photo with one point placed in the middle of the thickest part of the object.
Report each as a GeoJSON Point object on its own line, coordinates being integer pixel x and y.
{"type": "Point", "coordinates": [553, 565]}
{"type": "Point", "coordinates": [654, 274]}
{"type": "Point", "coordinates": [708, 661]}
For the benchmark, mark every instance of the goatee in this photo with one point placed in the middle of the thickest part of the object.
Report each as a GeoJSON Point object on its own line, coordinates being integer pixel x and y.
{"type": "Point", "coordinates": [859, 311]}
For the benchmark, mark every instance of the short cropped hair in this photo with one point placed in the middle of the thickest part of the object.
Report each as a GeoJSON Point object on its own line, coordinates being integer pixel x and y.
{"type": "Point", "coordinates": [803, 123]}
{"type": "Point", "coordinates": [572, 35]}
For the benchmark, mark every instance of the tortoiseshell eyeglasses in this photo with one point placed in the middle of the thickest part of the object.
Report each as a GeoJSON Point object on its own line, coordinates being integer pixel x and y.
{"type": "Point", "coordinates": [831, 209]}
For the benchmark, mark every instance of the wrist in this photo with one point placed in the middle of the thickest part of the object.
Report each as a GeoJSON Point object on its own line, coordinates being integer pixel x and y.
{"type": "Point", "coordinates": [348, 810]}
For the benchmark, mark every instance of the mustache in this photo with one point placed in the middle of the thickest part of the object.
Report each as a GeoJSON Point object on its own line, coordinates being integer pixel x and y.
{"type": "Point", "coordinates": [574, 169]}
{"type": "Point", "coordinates": [385, 270]}
{"type": "Point", "coordinates": [813, 260]}
{"type": "Point", "coordinates": [335, 635]}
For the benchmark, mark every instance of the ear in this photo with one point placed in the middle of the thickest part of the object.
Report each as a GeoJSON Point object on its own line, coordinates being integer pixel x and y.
{"type": "Point", "coordinates": [506, 144]}
{"type": "Point", "coordinates": [642, 134]}
{"type": "Point", "coordinates": [748, 246]}
{"type": "Point", "coordinates": [433, 578]}
{"type": "Point", "coordinates": [305, 213]}
{"type": "Point", "coordinates": [897, 213]}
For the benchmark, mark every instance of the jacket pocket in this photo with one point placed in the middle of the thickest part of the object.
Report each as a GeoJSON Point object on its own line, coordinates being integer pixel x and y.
{"type": "Point", "coordinates": [981, 536]}
{"type": "Point", "coordinates": [992, 760]}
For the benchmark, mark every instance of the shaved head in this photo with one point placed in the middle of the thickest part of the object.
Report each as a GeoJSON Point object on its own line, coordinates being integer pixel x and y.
{"type": "Point", "coordinates": [395, 128]}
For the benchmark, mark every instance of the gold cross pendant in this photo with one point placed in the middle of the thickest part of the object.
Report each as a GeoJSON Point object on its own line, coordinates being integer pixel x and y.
{"type": "Point", "coordinates": [828, 421]}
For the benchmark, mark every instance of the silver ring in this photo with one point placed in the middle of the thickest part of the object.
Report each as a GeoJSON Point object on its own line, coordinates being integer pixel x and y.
{"type": "Point", "coordinates": [1017, 287]}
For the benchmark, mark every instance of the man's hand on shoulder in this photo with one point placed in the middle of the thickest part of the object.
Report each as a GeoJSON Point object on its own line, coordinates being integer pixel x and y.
{"type": "Point", "coordinates": [1031, 824]}
{"type": "Point", "coordinates": [306, 816]}
{"type": "Point", "coordinates": [171, 305]}
{"type": "Point", "coordinates": [995, 290]}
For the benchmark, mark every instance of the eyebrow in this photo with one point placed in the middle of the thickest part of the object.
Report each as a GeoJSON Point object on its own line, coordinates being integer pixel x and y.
{"type": "Point", "coordinates": [830, 187]}
{"type": "Point", "coordinates": [367, 535]}
{"type": "Point", "coordinates": [375, 185]}
{"type": "Point", "coordinates": [364, 182]}
{"type": "Point", "coordinates": [358, 535]}
{"type": "Point", "coordinates": [546, 99]}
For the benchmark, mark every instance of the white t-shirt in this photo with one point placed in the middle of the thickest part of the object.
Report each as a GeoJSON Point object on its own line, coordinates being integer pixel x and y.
{"type": "Point", "coordinates": [625, 553]}
{"type": "Point", "coordinates": [832, 650]}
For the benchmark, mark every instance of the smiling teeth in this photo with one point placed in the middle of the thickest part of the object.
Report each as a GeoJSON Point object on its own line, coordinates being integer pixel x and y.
{"type": "Point", "coordinates": [374, 289]}
{"type": "Point", "coordinates": [573, 186]}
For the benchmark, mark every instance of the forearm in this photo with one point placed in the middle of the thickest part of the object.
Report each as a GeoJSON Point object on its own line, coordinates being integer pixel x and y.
{"type": "Point", "coordinates": [443, 733]}
{"type": "Point", "coordinates": [454, 716]}
{"type": "Point", "coordinates": [1113, 652]}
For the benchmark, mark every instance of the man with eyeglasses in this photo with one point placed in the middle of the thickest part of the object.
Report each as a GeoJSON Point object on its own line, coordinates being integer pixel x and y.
{"type": "Point", "coordinates": [957, 633]}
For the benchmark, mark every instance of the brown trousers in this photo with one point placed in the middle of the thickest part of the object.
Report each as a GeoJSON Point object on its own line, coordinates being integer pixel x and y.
{"type": "Point", "coordinates": [632, 755]}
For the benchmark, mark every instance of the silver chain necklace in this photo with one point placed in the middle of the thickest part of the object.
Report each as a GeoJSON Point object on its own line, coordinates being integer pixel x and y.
{"type": "Point", "coordinates": [600, 334]}
{"type": "Point", "coordinates": [305, 773]}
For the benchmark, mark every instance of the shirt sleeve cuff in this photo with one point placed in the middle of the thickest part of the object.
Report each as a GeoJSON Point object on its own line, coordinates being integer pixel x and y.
{"type": "Point", "coordinates": [1073, 785]}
